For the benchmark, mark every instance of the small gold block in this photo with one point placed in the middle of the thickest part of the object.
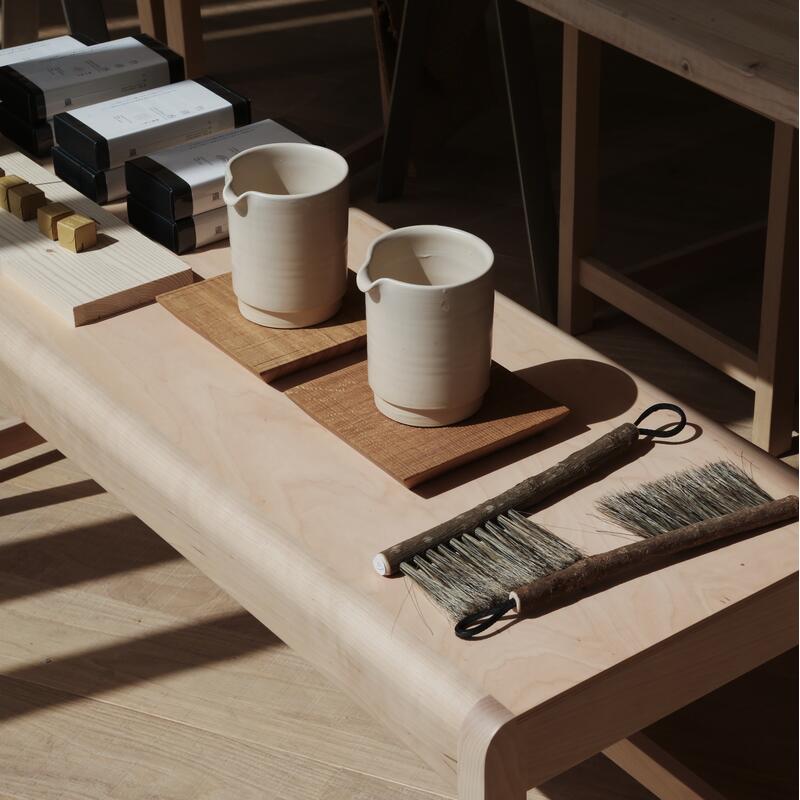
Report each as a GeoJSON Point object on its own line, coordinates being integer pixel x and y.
{"type": "Point", "coordinates": [24, 200]}
{"type": "Point", "coordinates": [6, 183]}
{"type": "Point", "coordinates": [77, 233]}
{"type": "Point", "coordinates": [48, 217]}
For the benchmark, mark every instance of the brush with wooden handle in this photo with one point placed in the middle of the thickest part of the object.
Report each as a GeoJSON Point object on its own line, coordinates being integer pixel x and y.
{"type": "Point", "coordinates": [528, 493]}
{"type": "Point", "coordinates": [511, 563]}
{"type": "Point", "coordinates": [590, 572]}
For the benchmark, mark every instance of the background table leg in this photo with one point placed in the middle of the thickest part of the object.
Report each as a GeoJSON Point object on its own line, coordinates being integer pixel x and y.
{"type": "Point", "coordinates": [776, 379]}
{"type": "Point", "coordinates": [579, 156]}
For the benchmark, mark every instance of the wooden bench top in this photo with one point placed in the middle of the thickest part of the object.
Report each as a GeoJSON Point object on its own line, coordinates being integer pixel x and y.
{"type": "Point", "coordinates": [744, 50]}
{"type": "Point", "coordinates": [286, 518]}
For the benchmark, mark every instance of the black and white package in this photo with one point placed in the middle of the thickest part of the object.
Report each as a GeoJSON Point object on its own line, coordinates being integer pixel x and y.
{"type": "Point", "coordinates": [107, 134]}
{"type": "Point", "coordinates": [185, 180]}
{"type": "Point", "coordinates": [36, 89]}
{"type": "Point", "coordinates": [181, 235]}
{"type": "Point", "coordinates": [102, 186]}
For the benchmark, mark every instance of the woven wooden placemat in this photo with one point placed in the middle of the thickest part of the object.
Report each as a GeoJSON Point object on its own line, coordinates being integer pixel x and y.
{"type": "Point", "coordinates": [342, 401]}
{"type": "Point", "coordinates": [210, 309]}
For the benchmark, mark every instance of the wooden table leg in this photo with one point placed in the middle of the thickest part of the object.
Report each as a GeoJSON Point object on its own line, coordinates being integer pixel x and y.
{"type": "Point", "coordinates": [151, 18]}
{"type": "Point", "coordinates": [776, 379]}
{"type": "Point", "coordinates": [658, 771]}
{"type": "Point", "coordinates": [20, 22]}
{"type": "Point", "coordinates": [185, 33]}
{"type": "Point", "coordinates": [531, 151]}
{"type": "Point", "coordinates": [579, 156]}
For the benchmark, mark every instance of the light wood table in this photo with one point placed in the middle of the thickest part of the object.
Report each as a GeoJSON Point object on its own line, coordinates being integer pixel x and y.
{"type": "Point", "coordinates": [286, 518]}
{"type": "Point", "coordinates": [745, 51]}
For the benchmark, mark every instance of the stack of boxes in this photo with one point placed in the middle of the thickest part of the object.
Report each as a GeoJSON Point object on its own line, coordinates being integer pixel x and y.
{"type": "Point", "coordinates": [42, 79]}
{"type": "Point", "coordinates": [119, 118]}
{"type": "Point", "coordinates": [93, 143]}
{"type": "Point", "coordinates": [175, 195]}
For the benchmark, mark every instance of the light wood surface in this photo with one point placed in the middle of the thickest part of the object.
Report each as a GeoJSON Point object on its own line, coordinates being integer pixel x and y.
{"type": "Point", "coordinates": [185, 33]}
{"type": "Point", "coordinates": [342, 402]}
{"type": "Point", "coordinates": [123, 270]}
{"type": "Point", "coordinates": [105, 626]}
{"type": "Point", "coordinates": [264, 501]}
{"type": "Point", "coordinates": [745, 51]}
{"type": "Point", "coordinates": [209, 308]}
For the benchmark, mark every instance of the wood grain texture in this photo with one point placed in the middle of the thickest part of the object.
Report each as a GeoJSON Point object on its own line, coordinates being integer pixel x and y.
{"type": "Point", "coordinates": [741, 50]}
{"type": "Point", "coordinates": [125, 269]}
{"type": "Point", "coordinates": [210, 309]}
{"type": "Point", "coordinates": [267, 503]}
{"type": "Point", "coordinates": [101, 616]}
{"type": "Point", "coordinates": [342, 401]}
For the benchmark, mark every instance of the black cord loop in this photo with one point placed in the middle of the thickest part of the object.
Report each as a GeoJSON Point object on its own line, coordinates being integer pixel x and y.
{"type": "Point", "coordinates": [660, 433]}
{"type": "Point", "coordinates": [473, 624]}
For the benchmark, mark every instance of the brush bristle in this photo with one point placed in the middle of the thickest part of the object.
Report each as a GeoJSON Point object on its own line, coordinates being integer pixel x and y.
{"type": "Point", "coordinates": [476, 571]}
{"type": "Point", "coordinates": [683, 498]}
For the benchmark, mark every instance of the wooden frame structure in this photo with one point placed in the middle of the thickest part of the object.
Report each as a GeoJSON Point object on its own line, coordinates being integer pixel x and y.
{"type": "Point", "coordinates": [750, 61]}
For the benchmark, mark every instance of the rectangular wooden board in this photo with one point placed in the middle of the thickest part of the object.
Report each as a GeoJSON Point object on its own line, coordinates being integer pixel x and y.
{"type": "Point", "coordinates": [210, 309]}
{"type": "Point", "coordinates": [342, 401]}
{"type": "Point", "coordinates": [124, 270]}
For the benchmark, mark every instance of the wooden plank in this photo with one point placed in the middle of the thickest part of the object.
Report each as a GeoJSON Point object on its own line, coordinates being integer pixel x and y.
{"type": "Point", "coordinates": [579, 175]}
{"type": "Point", "coordinates": [124, 270]}
{"type": "Point", "coordinates": [342, 401]}
{"type": "Point", "coordinates": [719, 350]}
{"type": "Point", "coordinates": [738, 49]}
{"type": "Point", "coordinates": [106, 751]}
{"type": "Point", "coordinates": [656, 769]}
{"type": "Point", "coordinates": [265, 502]}
{"type": "Point", "coordinates": [151, 18]}
{"type": "Point", "coordinates": [210, 309]}
{"type": "Point", "coordinates": [775, 413]}
{"type": "Point", "coordinates": [185, 33]}
{"type": "Point", "coordinates": [20, 22]}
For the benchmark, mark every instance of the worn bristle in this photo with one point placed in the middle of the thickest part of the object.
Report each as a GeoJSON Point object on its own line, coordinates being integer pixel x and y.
{"type": "Point", "coordinates": [477, 571]}
{"type": "Point", "coordinates": [683, 498]}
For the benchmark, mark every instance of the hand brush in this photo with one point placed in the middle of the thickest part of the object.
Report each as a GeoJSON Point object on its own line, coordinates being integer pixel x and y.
{"type": "Point", "coordinates": [516, 564]}
{"type": "Point", "coordinates": [533, 490]}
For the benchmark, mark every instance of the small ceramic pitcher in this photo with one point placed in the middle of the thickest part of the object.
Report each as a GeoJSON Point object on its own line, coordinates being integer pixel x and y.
{"type": "Point", "coordinates": [430, 301]}
{"type": "Point", "coordinates": [287, 214]}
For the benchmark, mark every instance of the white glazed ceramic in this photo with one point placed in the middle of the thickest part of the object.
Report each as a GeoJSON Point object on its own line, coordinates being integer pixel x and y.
{"type": "Point", "coordinates": [287, 213]}
{"type": "Point", "coordinates": [430, 302]}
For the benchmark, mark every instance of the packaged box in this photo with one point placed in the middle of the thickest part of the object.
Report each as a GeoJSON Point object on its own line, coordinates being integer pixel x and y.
{"type": "Point", "coordinates": [181, 235]}
{"type": "Point", "coordinates": [36, 139]}
{"type": "Point", "coordinates": [57, 46]}
{"type": "Point", "coordinates": [37, 89]}
{"type": "Point", "coordinates": [101, 185]}
{"type": "Point", "coordinates": [185, 180]}
{"type": "Point", "coordinates": [107, 134]}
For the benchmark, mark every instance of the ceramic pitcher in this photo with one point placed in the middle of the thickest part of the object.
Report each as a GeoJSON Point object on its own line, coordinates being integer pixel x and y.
{"type": "Point", "coordinates": [287, 215]}
{"type": "Point", "coordinates": [430, 301]}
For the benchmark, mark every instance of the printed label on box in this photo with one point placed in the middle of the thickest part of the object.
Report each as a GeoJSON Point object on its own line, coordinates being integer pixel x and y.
{"type": "Point", "coordinates": [101, 72]}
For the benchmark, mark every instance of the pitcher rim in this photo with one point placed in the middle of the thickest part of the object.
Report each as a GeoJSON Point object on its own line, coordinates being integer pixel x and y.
{"type": "Point", "coordinates": [226, 190]}
{"type": "Point", "coordinates": [481, 245]}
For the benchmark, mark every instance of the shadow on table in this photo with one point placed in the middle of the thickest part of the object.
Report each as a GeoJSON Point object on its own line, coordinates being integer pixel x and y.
{"type": "Point", "coordinates": [573, 382]}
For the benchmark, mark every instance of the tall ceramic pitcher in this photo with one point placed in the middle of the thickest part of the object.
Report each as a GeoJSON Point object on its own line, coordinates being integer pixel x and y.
{"type": "Point", "coordinates": [430, 302]}
{"type": "Point", "coordinates": [287, 214]}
